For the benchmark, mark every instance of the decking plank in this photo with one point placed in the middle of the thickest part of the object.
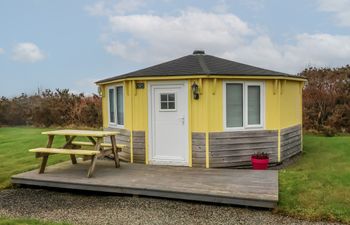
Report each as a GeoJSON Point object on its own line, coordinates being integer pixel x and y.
{"type": "Point", "coordinates": [231, 186]}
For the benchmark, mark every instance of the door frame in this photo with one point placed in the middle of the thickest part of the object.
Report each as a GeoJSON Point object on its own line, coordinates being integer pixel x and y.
{"type": "Point", "coordinates": [151, 136]}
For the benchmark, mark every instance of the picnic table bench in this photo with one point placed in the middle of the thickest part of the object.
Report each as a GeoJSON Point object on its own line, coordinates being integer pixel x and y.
{"type": "Point", "coordinates": [72, 147]}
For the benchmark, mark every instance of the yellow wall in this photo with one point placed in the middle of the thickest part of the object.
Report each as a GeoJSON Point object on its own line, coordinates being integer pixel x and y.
{"type": "Point", "coordinates": [210, 105]}
{"type": "Point", "coordinates": [212, 95]}
{"type": "Point", "coordinates": [136, 106]}
{"type": "Point", "coordinates": [140, 108]}
{"type": "Point", "coordinates": [282, 105]}
{"type": "Point", "coordinates": [272, 113]}
{"type": "Point", "coordinates": [291, 112]}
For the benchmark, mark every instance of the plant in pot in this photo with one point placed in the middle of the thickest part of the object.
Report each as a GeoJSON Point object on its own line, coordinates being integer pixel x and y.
{"type": "Point", "coordinates": [260, 161]}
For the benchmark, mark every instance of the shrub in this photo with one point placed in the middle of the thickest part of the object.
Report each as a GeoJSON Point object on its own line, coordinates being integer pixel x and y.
{"type": "Point", "coordinates": [326, 100]}
{"type": "Point", "coordinates": [52, 108]}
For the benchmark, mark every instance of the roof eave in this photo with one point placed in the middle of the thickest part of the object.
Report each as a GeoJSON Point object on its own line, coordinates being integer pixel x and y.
{"type": "Point", "coordinates": [224, 76]}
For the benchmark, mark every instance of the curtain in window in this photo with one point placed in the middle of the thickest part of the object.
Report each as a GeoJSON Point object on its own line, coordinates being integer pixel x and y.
{"type": "Point", "coordinates": [253, 105]}
{"type": "Point", "coordinates": [111, 106]}
{"type": "Point", "coordinates": [234, 105]}
{"type": "Point", "coordinates": [120, 106]}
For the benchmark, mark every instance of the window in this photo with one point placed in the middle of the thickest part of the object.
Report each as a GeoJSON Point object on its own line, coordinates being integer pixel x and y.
{"type": "Point", "coordinates": [243, 105]}
{"type": "Point", "coordinates": [120, 106]}
{"type": "Point", "coordinates": [116, 106]}
{"type": "Point", "coordinates": [167, 102]}
{"type": "Point", "coordinates": [253, 105]}
{"type": "Point", "coordinates": [234, 105]}
{"type": "Point", "coordinates": [111, 105]}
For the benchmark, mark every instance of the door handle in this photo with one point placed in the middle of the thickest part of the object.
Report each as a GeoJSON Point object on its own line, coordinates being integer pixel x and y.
{"type": "Point", "coordinates": [182, 118]}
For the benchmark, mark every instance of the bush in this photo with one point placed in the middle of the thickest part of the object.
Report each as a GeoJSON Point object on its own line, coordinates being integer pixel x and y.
{"type": "Point", "coordinates": [52, 108]}
{"type": "Point", "coordinates": [326, 100]}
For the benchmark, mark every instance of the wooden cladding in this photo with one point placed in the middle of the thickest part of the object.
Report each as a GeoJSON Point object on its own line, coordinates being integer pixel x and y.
{"type": "Point", "coordinates": [234, 149]}
{"type": "Point", "coordinates": [122, 138]}
{"type": "Point", "coordinates": [198, 149]}
{"type": "Point", "coordinates": [138, 139]}
{"type": "Point", "coordinates": [226, 149]}
{"type": "Point", "coordinates": [290, 141]}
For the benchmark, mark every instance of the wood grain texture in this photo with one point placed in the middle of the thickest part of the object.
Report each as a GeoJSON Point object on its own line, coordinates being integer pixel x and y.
{"type": "Point", "coordinates": [290, 141]}
{"type": "Point", "coordinates": [198, 149]}
{"type": "Point", "coordinates": [139, 146]}
{"type": "Point", "coordinates": [123, 137]}
{"type": "Point", "coordinates": [230, 186]}
{"type": "Point", "coordinates": [234, 149]}
{"type": "Point", "coordinates": [83, 133]}
{"type": "Point", "coordinates": [64, 151]}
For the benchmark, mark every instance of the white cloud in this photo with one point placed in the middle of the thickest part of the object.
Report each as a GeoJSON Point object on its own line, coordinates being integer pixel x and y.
{"type": "Point", "coordinates": [27, 52]}
{"type": "Point", "coordinates": [2, 51]}
{"type": "Point", "coordinates": [169, 36]}
{"type": "Point", "coordinates": [151, 38]}
{"type": "Point", "coordinates": [340, 9]}
{"type": "Point", "coordinates": [307, 50]}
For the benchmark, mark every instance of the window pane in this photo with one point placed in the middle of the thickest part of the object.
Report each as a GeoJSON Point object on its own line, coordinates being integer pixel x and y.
{"type": "Point", "coordinates": [120, 106]}
{"type": "Point", "coordinates": [111, 106]}
{"type": "Point", "coordinates": [234, 105]}
{"type": "Point", "coordinates": [253, 105]}
{"type": "Point", "coordinates": [171, 97]}
{"type": "Point", "coordinates": [163, 105]}
{"type": "Point", "coordinates": [163, 97]}
{"type": "Point", "coordinates": [171, 105]}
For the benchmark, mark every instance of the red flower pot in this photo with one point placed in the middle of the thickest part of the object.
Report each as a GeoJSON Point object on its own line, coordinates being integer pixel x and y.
{"type": "Point", "coordinates": [260, 164]}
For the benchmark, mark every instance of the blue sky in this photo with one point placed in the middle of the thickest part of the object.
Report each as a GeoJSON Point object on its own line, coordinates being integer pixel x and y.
{"type": "Point", "coordinates": [71, 44]}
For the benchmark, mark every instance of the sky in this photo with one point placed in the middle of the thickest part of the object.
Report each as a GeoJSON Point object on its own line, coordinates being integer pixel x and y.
{"type": "Point", "coordinates": [71, 44]}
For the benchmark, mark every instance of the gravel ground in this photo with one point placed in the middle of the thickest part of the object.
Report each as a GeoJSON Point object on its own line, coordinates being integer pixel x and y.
{"type": "Point", "coordinates": [90, 208]}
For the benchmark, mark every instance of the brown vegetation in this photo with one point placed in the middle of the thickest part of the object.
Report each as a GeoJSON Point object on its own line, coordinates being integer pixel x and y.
{"type": "Point", "coordinates": [326, 100]}
{"type": "Point", "coordinates": [52, 108]}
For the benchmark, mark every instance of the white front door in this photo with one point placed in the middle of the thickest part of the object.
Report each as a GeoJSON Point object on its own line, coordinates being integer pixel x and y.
{"type": "Point", "coordinates": [168, 123]}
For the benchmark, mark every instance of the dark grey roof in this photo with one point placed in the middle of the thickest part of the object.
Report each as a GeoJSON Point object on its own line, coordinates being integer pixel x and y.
{"type": "Point", "coordinates": [198, 64]}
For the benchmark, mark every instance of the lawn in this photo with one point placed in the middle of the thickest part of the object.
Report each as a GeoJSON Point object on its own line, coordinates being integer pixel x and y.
{"type": "Point", "coordinates": [5, 221]}
{"type": "Point", "coordinates": [317, 186]}
{"type": "Point", "coordinates": [14, 155]}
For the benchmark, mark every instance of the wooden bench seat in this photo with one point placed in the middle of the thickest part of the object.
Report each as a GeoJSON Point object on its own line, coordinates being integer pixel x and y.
{"type": "Point", "coordinates": [45, 152]}
{"type": "Point", "coordinates": [106, 145]}
{"type": "Point", "coordinates": [64, 151]}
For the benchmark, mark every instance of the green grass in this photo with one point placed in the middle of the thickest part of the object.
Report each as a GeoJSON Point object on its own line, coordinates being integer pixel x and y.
{"type": "Point", "coordinates": [14, 155]}
{"type": "Point", "coordinates": [318, 185]}
{"type": "Point", "coordinates": [5, 221]}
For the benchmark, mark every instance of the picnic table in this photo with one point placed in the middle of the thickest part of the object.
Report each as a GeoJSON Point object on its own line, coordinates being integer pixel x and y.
{"type": "Point", "coordinates": [72, 147]}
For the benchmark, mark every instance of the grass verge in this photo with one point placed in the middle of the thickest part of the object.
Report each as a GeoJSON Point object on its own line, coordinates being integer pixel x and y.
{"type": "Point", "coordinates": [318, 185]}
{"type": "Point", "coordinates": [6, 221]}
{"type": "Point", "coordinates": [14, 156]}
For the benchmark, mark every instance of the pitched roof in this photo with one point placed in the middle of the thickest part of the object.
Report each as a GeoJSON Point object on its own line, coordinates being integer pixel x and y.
{"type": "Point", "coordinates": [199, 64]}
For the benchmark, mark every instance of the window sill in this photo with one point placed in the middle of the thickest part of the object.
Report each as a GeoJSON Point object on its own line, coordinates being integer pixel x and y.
{"type": "Point", "coordinates": [243, 129]}
{"type": "Point", "coordinates": [116, 126]}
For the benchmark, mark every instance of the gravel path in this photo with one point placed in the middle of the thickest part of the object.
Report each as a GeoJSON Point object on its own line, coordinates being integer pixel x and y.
{"type": "Point", "coordinates": [89, 208]}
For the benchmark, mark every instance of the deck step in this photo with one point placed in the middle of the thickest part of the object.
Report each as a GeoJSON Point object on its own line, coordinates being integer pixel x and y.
{"type": "Point", "coordinates": [64, 151]}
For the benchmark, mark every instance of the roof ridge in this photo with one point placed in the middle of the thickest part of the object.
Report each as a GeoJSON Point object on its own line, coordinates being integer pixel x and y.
{"type": "Point", "coordinates": [203, 64]}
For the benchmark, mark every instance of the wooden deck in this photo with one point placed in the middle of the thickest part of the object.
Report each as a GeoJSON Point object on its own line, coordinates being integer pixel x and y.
{"type": "Point", "coordinates": [230, 186]}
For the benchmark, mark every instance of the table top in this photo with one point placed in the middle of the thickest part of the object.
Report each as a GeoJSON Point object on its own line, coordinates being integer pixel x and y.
{"type": "Point", "coordinates": [83, 133]}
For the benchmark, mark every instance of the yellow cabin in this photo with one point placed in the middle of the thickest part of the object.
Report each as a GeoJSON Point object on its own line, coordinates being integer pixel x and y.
{"type": "Point", "coordinates": [203, 111]}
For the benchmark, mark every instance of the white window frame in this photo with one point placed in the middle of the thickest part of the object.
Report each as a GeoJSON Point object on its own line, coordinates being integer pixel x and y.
{"type": "Point", "coordinates": [160, 102]}
{"type": "Point", "coordinates": [245, 105]}
{"type": "Point", "coordinates": [115, 124]}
